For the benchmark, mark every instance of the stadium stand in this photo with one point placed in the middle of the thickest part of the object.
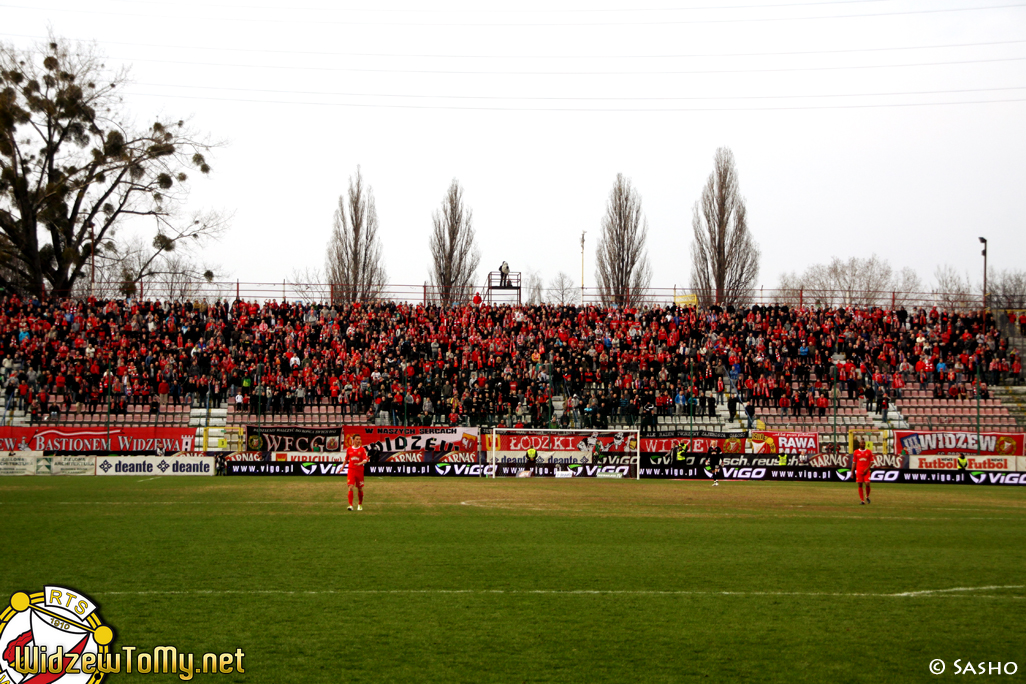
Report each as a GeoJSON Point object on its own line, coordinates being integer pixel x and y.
{"type": "Point", "coordinates": [666, 368]}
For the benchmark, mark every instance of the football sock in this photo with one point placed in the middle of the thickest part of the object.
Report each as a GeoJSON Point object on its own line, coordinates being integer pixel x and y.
{"type": "Point", "coordinates": [351, 495]}
{"type": "Point", "coordinates": [862, 496]}
{"type": "Point", "coordinates": [360, 492]}
{"type": "Point", "coordinates": [867, 490]}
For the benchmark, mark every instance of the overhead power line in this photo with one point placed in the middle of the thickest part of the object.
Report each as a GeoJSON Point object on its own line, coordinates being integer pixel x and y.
{"type": "Point", "coordinates": [320, 53]}
{"type": "Point", "coordinates": [507, 24]}
{"type": "Point", "coordinates": [542, 10]}
{"type": "Point", "coordinates": [581, 98]}
{"type": "Point", "coordinates": [584, 109]}
{"type": "Point", "coordinates": [577, 73]}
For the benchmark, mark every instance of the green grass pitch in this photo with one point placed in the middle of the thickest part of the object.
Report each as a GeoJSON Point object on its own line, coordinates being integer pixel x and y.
{"type": "Point", "coordinates": [459, 580]}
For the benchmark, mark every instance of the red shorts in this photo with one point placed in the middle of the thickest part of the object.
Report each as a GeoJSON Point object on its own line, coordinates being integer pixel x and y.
{"type": "Point", "coordinates": [862, 475]}
{"type": "Point", "coordinates": [355, 478]}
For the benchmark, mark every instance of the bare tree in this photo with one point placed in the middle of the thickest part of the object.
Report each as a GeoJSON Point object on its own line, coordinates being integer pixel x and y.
{"type": "Point", "coordinates": [308, 284]}
{"type": "Point", "coordinates": [454, 256]}
{"type": "Point", "coordinates": [908, 288]}
{"type": "Point", "coordinates": [131, 268]}
{"type": "Point", "coordinates": [847, 282]}
{"type": "Point", "coordinates": [622, 268]}
{"type": "Point", "coordinates": [72, 169]}
{"type": "Point", "coordinates": [1007, 290]}
{"type": "Point", "coordinates": [724, 257]}
{"type": "Point", "coordinates": [563, 290]}
{"type": "Point", "coordinates": [953, 291]}
{"type": "Point", "coordinates": [354, 263]}
{"type": "Point", "coordinates": [535, 288]}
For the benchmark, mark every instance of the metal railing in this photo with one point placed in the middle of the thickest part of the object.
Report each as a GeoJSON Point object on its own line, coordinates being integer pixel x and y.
{"type": "Point", "coordinates": [326, 293]}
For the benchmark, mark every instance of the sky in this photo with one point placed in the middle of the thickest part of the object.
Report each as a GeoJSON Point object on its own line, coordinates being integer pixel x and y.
{"type": "Point", "coordinates": [859, 127]}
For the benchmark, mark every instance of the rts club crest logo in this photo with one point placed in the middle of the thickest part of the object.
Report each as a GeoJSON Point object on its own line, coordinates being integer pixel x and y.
{"type": "Point", "coordinates": [53, 636]}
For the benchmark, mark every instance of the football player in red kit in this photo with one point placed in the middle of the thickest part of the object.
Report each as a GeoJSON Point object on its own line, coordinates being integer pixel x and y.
{"type": "Point", "coordinates": [862, 461]}
{"type": "Point", "coordinates": [356, 456]}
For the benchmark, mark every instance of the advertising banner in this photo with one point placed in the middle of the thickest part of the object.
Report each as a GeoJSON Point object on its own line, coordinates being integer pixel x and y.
{"type": "Point", "coordinates": [19, 462]}
{"type": "Point", "coordinates": [393, 444]}
{"type": "Point", "coordinates": [154, 465]}
{"type": "Point", "coordinates": [291, 438]}
{"type": "Point", "coordinates": [85, 440]}
{"type": "Point", "coordinates": [837, 475]}
{"type": "Point", "coordinates": [311, 468]}
{"type": "Point", "coordinates": [843, 460]}
{"type": "Point", "coordinates": [775, 442]}
{"type": "Point", "coordinates": [73, 465]}
{"type": "Point", "coordinates": [928, 443]}
{"type": "Point", "coordinates": [972, 462]}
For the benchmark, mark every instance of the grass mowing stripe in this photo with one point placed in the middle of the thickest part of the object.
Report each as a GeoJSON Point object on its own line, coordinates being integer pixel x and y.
{"type": "Point", "coordinates": [962, 591]}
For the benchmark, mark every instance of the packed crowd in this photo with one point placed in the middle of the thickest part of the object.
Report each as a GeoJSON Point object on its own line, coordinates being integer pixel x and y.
{"type": "Point", "coordinates": [486, 364]}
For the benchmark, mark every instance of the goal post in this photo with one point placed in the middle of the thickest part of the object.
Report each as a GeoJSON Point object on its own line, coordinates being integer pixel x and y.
{"type": "Point", "coordinates": [879, 438]}
{"type": "Point", "coordinates": [564, 453]}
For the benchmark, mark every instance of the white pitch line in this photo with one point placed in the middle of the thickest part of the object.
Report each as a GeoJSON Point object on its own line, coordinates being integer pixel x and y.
{"type": "Point", "coordinates": [955, 591]}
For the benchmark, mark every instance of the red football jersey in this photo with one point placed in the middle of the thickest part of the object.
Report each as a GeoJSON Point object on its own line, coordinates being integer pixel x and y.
{"type": "Point", "coordinates": [356, 457]}
{"type": "Point", "coordinates": [863, 459]}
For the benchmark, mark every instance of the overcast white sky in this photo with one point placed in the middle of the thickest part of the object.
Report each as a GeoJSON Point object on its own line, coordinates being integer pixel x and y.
{"type": "Point", "coordinates": [535, 107]}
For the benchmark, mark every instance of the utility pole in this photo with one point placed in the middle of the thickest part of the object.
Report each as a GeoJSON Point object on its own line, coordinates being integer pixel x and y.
{"type": "Point", "coordinates": [582, 266]}
{"type": "Point", "coordinates": [984, 241]}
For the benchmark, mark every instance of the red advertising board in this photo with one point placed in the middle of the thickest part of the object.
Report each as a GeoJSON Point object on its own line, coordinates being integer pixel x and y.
{"type": "Point", "coordinates": [620, 442]}
{"type": "Point", "coordinates": [939, 442]}
{"type": "Point", "coordinates": [91, 440]}
{"type": "Point", "coordinates": [415, 444]}
{"type": "Point", "coordinates": [771, 442]}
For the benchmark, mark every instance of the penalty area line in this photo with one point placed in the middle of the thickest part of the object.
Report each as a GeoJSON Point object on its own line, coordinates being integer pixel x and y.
{"type": "Point", "coordinates": [926, 593]}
